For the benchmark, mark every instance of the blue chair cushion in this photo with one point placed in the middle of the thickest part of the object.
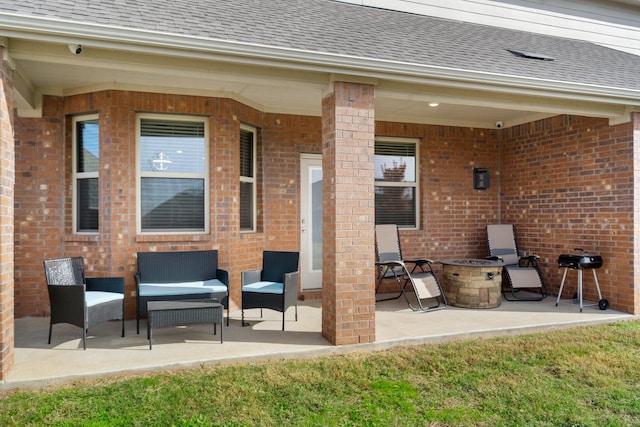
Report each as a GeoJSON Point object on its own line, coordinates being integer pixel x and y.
{"type": "Point", "coordinates": [264, 287]}
{"type": "Point", "coordinates": [94, 298]}
{"type": "Point", "coordinates": [182, 288]}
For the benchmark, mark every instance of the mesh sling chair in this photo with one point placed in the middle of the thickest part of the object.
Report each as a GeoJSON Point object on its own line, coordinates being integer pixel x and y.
{"type": "Point", "coordinates": [79, 300]}
{"type": "Point", "coordinates": [275, 286]}
{"type": "Point", "coordinates": [522, 272]}
{"type": "Point", "coordinates": [391, 265]}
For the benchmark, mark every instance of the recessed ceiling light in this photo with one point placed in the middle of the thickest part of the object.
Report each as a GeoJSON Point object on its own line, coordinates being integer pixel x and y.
{"type": "Point", "coordinates": [433, 104]}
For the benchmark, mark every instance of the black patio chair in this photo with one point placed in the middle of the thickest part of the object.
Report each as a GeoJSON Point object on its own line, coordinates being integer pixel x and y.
{"type": "Point", "coordinates": [79, 300]}
{"type": "Point", "coordinates": [275, 286]}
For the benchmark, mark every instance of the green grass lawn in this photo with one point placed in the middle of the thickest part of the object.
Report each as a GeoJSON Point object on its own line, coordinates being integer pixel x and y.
{"type": "Point", "coordinates": [587, 376]}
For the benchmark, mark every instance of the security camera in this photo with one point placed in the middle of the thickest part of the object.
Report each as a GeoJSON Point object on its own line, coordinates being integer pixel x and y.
{"type": "Point", "coordinates": [499, 125]}
{"type": "Point", "coordinates": [76, 49]}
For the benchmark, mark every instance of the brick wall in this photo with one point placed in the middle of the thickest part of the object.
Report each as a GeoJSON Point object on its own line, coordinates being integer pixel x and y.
{"type": "Point", "coordinates": [7, 181]}
{"type": "Point", "coordinates": [565, 182]}
{"type": "Point", "coordinates": [453, 216]}
{"type": "Point", "coordinates": [636, 202]}
{"type": "Point", "coordinates": [562, 181]}
{"type": "Point", "coordinates": [39, 216]}
{"type": "Point", "coordinates": [282, 139]}
{"type": "Point", "coordinates": [568, 182]}
{"type": "Point", "coordinates": [43, 211]}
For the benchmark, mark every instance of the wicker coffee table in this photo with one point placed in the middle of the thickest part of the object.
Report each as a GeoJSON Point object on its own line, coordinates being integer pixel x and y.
{"type": "Point", "coordinates": [161, 314]}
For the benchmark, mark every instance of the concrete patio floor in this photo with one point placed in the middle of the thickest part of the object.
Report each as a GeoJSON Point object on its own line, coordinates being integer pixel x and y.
{"type": "Point", "coordinates": [38, 364]}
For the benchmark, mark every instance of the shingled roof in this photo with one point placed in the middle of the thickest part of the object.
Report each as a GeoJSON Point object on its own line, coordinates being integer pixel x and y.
{"type": "Point", "coordinates": [353, 31]}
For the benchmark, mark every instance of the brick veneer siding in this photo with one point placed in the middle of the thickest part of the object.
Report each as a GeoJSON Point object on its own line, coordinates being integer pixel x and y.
{"type": "Point", "coordinates": [7, 181]}
{"type": "Point", "coordinates": [553, 198]}
{"type": "Point", "coordinates": [283, 138]}
{"type": "Point", "coordinates": [636, 212]}
{"type": "Point", "coordinates": [568, 182]}
{"type": "Point", "coordinates": [43, 211]}
{"type": "Point", "coordinates": [453, 216]}
{"type": "Point", "coordinates": [39, 218]}
{"type": "Point", "coordinates": [348, 304]}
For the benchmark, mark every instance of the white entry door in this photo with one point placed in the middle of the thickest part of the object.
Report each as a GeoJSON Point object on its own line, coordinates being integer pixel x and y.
{"type": "Point", "coordinates": [310, 221]}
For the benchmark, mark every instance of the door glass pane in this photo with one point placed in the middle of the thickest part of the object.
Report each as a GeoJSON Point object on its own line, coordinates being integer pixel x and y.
{"type": "Point", "coordinates": [316, 217]}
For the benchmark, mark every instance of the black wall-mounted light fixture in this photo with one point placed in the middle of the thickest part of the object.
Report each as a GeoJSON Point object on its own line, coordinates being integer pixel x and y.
{"type": "Point", "coordinates": [481, 179]}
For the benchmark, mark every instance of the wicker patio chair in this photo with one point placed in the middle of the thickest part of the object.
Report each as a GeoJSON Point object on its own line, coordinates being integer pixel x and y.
{"type": "Point", "coordinates": [80, 300]}
{"type": "Point", "coordinates": [275, 286]}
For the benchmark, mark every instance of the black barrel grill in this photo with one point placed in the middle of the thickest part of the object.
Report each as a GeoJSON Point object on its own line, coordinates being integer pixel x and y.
{"type": "Point", "coordinates": [581, 260]}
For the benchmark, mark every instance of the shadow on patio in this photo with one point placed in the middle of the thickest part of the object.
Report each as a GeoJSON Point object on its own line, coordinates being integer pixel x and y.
{"type": "Point", "coordinates": [39, 364]}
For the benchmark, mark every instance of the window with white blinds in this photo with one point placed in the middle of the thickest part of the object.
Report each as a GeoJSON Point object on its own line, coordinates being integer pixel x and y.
{"type": "Point", "coordinates": [86, 161]}
{"type": "Point", "coordinates": [247, 178]}
{"type": "Point", "coordinates": [173, 174]}
{"type": "Point", "coordinates": [396, 182]}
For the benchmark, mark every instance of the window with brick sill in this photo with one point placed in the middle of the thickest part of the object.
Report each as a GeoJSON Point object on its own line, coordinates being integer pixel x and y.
{"type": "Point", "coordinates": [396, 182]}
{"type": "Point", "coordinates": [86, 161]}
{"type": "Point", "coordinates": [173, 174]}
{"type": "Point", "coordinates": [247, 178]}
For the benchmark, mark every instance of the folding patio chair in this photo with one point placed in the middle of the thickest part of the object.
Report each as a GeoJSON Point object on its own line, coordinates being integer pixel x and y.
{"type": "Point", "coordinates": [421, 276]}
{"type": "Point", "coordinates": [521, 272]}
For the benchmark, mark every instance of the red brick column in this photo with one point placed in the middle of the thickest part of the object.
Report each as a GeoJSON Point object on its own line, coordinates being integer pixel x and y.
{"type": "Point", "coordinates": [348, 300]}
{"type": "Point", "coordinates": [7, 180]}
{"type": "Point", "coordinates": [635, 119]}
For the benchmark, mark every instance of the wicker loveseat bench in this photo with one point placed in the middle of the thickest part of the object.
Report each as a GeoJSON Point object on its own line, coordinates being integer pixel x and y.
{"type": "Point", "coordinates": [180, 275]}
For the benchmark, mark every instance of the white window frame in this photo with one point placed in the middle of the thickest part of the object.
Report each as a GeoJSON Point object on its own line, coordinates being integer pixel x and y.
{"type": "Point", "coordinates": [253, 179]}
{"type": "Point", "coordinates": [415, 185]}
{"type": "Point", "coordinates": [81, 175]}
{"type": "Point", "coordinates": [204, 175]}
